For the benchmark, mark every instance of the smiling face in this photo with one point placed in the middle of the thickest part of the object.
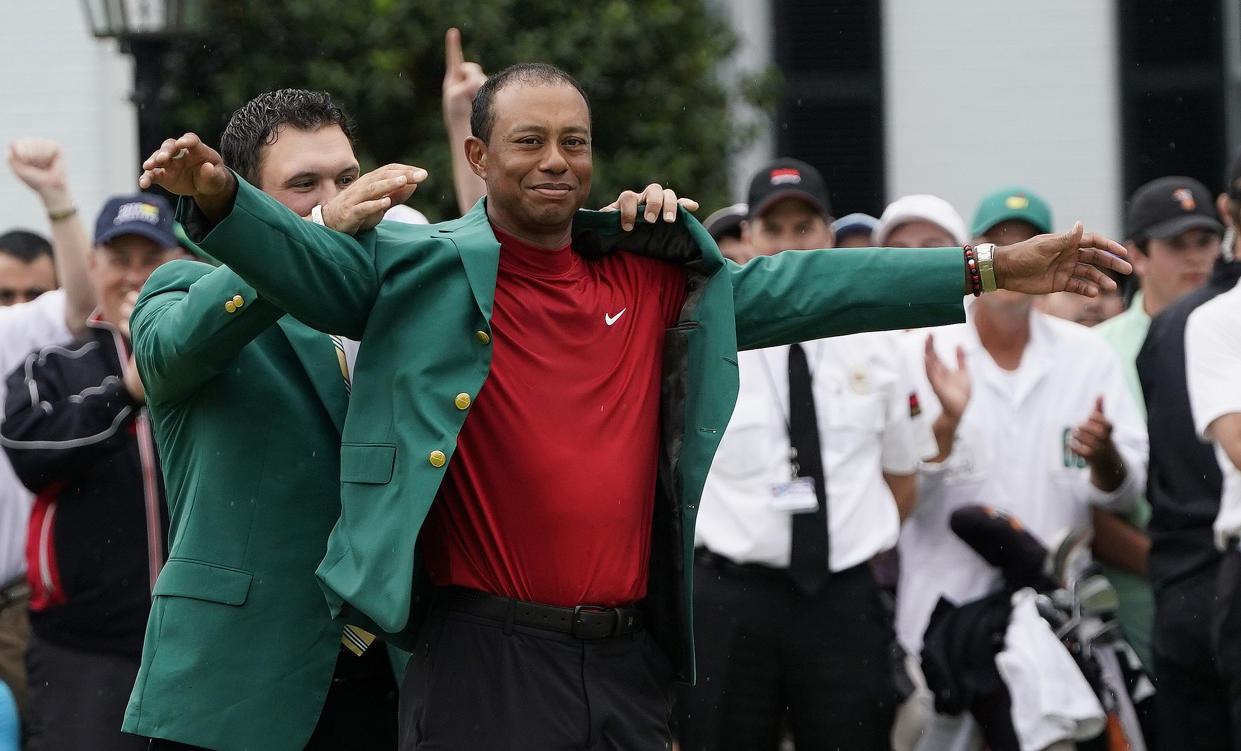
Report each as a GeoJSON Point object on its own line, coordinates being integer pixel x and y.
{"type": "Point", "coordinates": [306, 168]}
{"type": "Point", "coordinates": [119, 268]}
{"type": "Point", "coordinates": [537, 162]}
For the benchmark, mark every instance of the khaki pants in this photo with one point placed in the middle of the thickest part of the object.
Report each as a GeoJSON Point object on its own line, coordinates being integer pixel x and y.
{"type": "Point", "coordinates": [14, 638]}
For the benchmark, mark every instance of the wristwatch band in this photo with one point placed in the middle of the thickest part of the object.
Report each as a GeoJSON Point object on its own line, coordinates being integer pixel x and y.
{"type": "Point", "coordinates": [986, 265]}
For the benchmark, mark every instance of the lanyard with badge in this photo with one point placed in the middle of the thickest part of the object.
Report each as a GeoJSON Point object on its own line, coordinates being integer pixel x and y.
{"type": "Point", "coordinates": [796, 496]}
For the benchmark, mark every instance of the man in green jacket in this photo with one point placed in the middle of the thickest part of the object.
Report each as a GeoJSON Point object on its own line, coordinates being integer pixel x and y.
{"type": "Point", "coordinates": [541, 393]}
{"type": "Point", "coordinates": [241, 651]}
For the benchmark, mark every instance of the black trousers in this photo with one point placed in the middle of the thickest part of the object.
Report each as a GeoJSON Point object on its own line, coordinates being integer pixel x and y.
{"type": "Point", "coordinates": [473, 683]}
{"type": "Point", "coordinates": [360, 710]}
{"type": "Point", "coordinates": [1191, 705]}
{"type": "Point", "coordinates": [1226, 639]}
{"type": "Point", "coordinates": [78, 698]}
{"type": "Point", "coordinates": [768, 654]}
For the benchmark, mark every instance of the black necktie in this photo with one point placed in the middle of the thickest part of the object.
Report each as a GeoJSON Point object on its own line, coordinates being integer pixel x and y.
{"type": "Point", "coordinates": [808, 560]}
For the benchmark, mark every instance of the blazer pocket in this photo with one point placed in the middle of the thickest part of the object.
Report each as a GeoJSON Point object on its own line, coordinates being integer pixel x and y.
{"type": "Point", "coordinates": [199, 580]}
{"type": "Point", "coordinates": [367, 463]}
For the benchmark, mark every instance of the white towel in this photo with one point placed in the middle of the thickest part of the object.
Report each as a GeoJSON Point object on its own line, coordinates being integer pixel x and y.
{"type": "Point", "coordinates": [1051, 699]}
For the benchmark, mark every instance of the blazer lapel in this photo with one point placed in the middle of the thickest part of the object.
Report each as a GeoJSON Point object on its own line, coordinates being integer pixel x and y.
{"type": "Point", "coordinates": [318, 358]}
{"type": "Point", "coordinates": [479, 251]}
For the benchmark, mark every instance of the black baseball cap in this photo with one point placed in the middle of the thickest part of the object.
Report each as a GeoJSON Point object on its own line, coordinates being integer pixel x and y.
{"type": "Point", "coordinates": [1167, 206]}
{"type": "Point", "coordinates": [788, 178]}
{"type": "Point", "coordinates": [144, 214]}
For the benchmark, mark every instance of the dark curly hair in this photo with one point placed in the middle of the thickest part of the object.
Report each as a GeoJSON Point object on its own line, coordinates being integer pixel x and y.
{"type": "Point", "coordinates": [257, 124]}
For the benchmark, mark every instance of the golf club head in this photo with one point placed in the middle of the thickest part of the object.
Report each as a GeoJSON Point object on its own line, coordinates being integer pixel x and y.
{"type": "Point", "coordinates": [1096, 596]}
{"type": "Point", "coordinates": [1072, 547]}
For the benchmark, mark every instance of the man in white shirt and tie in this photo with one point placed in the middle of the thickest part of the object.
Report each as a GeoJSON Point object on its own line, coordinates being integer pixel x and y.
{"type": "Point", "coordinates": [789, 617]}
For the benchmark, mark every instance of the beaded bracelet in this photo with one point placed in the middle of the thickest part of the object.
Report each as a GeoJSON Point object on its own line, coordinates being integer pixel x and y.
{"type": "Point", "coordinates": [971, 265]}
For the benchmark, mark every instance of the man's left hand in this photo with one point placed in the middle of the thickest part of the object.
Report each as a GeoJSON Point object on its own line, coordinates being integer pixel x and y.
{"type": "Point", "coordinates": [362, 205]}
{"type": "Point", "coordinates": [461, 80]}
{"type": "Point", "coordinates": [1092, 441]}
{"type": "Point", "coordinates": [657, 199]}
{"type": "Point", "coordinates": [1052, 263]}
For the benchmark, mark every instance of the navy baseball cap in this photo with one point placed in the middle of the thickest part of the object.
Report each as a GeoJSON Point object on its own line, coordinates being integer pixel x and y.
{"type": "Point", "coordinates": [144, 214]}
{"type": "Point", "coordinates": [855, 224]}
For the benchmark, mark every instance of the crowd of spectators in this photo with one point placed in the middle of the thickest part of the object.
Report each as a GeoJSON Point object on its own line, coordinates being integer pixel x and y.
{"type": "Point", "coordinates": [832, 596]}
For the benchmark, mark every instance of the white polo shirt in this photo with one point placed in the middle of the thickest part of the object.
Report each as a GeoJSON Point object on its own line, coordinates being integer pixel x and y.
{"type": "Point", "coordinates": [23, 328]}
{"type": "Point", "coordinates": [1213, 378]}
{"type": "Point", "coordinates": [1011, 452]}
{"type": "Point", "coordinates": [862, 387]}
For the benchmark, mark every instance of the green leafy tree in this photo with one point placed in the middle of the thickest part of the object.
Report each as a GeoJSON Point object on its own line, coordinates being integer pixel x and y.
{"type": "Point", "coordinates": [650, 66]}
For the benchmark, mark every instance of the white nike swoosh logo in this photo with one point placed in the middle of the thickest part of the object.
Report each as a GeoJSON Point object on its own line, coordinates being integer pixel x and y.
{"type": "Point", "coordinates": [609, 320]}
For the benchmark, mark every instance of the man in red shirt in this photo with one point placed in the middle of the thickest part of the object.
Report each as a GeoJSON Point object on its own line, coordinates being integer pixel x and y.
{"type": "Point", "coordinates": [553, 497]}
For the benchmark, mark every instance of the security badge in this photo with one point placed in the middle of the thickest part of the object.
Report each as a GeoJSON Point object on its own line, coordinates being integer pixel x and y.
{"type": "Point", "coordinates": [797, 495]}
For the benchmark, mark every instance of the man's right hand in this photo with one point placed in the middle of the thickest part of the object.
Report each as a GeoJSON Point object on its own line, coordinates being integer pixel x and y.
{"type": "Point", "coordinates": [188, 167]}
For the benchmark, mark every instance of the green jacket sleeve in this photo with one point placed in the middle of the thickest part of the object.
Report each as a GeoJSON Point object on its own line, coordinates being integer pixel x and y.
{"type": "Point", "coordinates": [187, 326]}
{"type": "Point", "coordinates": [324, 278]}
{"type": "Point", "coordinates": [802, 295]}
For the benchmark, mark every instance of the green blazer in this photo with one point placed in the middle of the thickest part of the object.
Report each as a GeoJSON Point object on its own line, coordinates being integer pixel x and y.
{"type": "Point", "coordinates": [240, 646]}
{"type": "Point", "coordinates": [422, 299]}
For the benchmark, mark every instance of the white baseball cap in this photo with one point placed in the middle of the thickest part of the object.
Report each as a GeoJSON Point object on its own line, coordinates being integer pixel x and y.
{"type": "Point", "coordinates": [923, 207]}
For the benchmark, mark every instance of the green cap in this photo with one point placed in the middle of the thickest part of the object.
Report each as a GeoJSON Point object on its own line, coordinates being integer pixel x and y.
{"type": "Point", "coordinates": [1011, 203]}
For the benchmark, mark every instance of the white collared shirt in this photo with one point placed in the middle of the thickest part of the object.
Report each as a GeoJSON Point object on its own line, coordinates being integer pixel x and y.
{"type": "Point", "coordinates": [23, 328]}
{"type": "Point", "coordinates": [862, 387]}
{"type": "Point", "coordinates": [1213, 378]}
{"type": "Point", "coordinates": [1011, 452]}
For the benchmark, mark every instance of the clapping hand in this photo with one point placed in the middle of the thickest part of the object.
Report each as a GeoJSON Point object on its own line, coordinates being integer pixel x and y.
{"type": "Point", "coordinates": [1092, 441]}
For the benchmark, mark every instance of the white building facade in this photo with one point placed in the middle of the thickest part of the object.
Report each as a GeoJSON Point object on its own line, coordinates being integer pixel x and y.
{"type": "Point", "coordinates": [60, 82]}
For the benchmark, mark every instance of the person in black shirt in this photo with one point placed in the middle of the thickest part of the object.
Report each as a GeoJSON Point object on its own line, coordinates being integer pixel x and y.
{"type": "Point", "coordinates": [1183, 487]}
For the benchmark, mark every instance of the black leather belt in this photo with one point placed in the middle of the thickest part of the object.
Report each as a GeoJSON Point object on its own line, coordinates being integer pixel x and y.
{"type": "Point", "coordinates": [728, 566]}
{"type": "Point", "coordinates": [583, 621]}
{"type": "Point", "coordinates": [724, 565]}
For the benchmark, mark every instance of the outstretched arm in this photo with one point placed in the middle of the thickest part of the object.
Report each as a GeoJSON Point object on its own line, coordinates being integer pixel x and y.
{"type": "Point", "coordinates": [38, 163]}
{"type": "Point", "coordinates": [325, 278]}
